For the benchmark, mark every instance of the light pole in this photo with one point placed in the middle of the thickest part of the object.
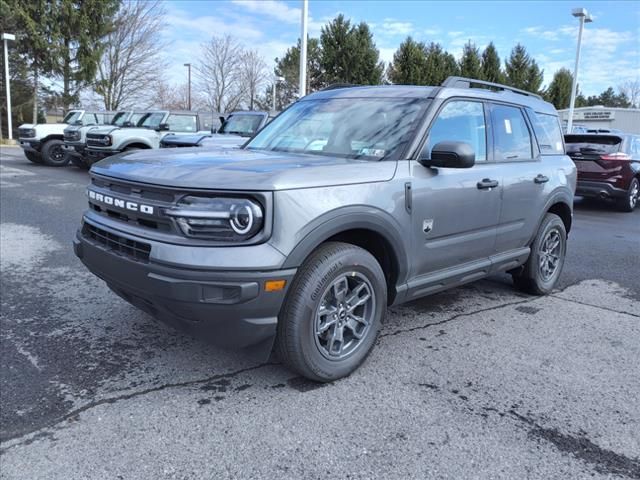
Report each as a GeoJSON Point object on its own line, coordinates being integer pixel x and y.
{"type": "Point", "coordinates": [273, 99]}
{"type": "Point", "coordinates": [303, 50]}
{"type": "Point", "coordinates": [6, 37]}
{"type": "Point", "coordinates": [188, 65]}
{"type": "Point", "coordinates": [584, 17]}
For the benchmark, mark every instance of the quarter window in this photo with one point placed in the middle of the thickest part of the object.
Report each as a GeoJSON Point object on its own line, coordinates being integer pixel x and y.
{"type": "Point", "coordinates": [460, 121]}
{"type": "Point", "coordinates": [548, 133]}
{"type": "Point", "coordinates": [511, 134]}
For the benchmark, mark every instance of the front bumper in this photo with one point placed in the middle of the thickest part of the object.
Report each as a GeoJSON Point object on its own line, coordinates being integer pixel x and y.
{"type": "Point", "coordinates": [30, 145]}
{"type": "Point", "coordinates": [97, 155]}
{"type": "Point", "coordinates": [74, 150]}
{"type": "Point", "coordinates": [227, 308]}
{"type": "Point", "coordinates": [596, 189]}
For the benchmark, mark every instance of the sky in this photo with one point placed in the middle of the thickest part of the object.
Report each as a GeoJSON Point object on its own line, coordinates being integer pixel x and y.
{"type": "Point", "coordinates": [610, 45]}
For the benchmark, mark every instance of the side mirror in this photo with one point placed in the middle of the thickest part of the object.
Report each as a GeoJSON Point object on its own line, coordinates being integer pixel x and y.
{"type": "Point", "coordinates": [221, 119]}
{"type": "Point", "coordinates": [450, 155]}
{"type": "Point", "coordinates": [127, 124]}
{"type": "Point", "coordinates": [163, 127]}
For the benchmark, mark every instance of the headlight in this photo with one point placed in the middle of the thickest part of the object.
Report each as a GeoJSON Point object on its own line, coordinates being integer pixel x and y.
{"type": "Point", "coordinates": [229, 219]}
{"type": "Point", "coordinates": [27, 132]}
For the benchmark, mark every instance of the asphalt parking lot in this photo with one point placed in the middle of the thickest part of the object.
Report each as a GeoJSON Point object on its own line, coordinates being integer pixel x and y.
{"type": "Point", "coordinates": [478, 382]}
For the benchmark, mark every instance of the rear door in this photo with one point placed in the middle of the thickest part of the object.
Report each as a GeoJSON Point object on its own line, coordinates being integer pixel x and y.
{"type": "Point", "coordinates": [594, 155]}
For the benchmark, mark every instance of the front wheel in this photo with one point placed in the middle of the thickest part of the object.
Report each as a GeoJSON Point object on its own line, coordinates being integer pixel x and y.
{"type": "Point", "coordinates": [332, 313]}
{"type": "Point", "coordinates": [629, 202]}
{"type": "Point", "coordinates": [53, 154]}
{"type": "Point", "coordinates": [544, 265]}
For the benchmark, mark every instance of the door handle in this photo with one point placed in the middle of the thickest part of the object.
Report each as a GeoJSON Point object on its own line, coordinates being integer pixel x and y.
{"type": "Point", "coordinates": [487, 184]}
{"type": "Point", "coordinates": [541, 179]}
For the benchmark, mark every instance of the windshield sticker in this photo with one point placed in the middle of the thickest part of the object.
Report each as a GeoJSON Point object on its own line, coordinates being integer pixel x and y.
{"type": "Point", "coordinates": [372, 152]}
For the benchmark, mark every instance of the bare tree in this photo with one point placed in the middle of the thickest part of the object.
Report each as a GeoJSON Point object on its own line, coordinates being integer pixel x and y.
{"type": "Point", "coordinates": [132, 59]}
{"type": "Point", "coordinates": [169, 96]}
{"type": "Point", "coordinates": [253, 74]}
{"type": "Point", "coordinates": [219, 74]}
{"type": "Point", "coordinates": [631, 88]}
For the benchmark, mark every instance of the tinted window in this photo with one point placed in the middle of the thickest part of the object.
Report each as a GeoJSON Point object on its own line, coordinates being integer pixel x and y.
{"type": "Point", "coordinates": [151, 120]}
{"type": "Point", "coordinates": [460, 121]}
{"type": "Point", "coordinates": [511, 135]}
{"type": "Point", "coordinates": [182, 123]}
{"type": "Point", "coordinates": [241, 124]}
{"type": "Point", "coordinates": [592, 144]}
{"type": "Point", "coordinates": [548, 133]}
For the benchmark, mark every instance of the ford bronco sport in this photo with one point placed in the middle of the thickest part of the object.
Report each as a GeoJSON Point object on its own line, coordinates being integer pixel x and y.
{"type": "Point", "coordinates": [350, 200]}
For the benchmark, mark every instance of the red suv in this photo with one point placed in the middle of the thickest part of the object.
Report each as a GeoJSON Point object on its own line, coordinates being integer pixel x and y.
{"type": "Point", "coordinates": [608, 166]}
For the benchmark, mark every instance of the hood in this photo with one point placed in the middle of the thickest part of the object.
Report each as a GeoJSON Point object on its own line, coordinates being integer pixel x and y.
{"type": "Point", "coordinates": [104, 129]}
{"type": "Point", "coordinates": [226, 140]}
{"type": "Point", "coordinates": [183, 140]}
{"type": "Point", "coordinates": [28, 125]}
{"type": "Point", "coordinates": [240, 169]}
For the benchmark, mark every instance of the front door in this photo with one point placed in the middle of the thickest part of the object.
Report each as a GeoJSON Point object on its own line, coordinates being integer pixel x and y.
{"type": "Point", "coordinates": [455, 211]}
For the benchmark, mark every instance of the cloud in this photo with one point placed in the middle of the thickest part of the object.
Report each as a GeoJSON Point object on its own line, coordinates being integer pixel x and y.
{"type": "Point", "coordinates": [393, 27]}
{"type": "Point", "coordinates": [272, 8]}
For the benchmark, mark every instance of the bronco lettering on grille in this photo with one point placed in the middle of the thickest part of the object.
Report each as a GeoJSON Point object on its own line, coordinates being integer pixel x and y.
{"type": "Point", "coordinates": [118, 202]}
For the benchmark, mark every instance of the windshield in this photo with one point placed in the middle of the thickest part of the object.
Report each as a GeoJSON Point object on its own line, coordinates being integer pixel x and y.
{"type": "Point", "coordinates": [119, 119]}
{"type": "Point", "coordinates": [245, 125]}
{"type": "Point", "coordinates": [151, 120]}
{"type": "Point", "coordinates": [72, 117]}
{"type": "Point", "coordinates": [364, 128]}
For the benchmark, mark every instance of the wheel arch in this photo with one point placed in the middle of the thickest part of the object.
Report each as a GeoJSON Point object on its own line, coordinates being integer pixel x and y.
{"type": "Point", "coordinates": [53, 136]}
{"type": "Point", "coordinates": [370, 231]}
{"type": "Point", "coordinates": [135, 144]}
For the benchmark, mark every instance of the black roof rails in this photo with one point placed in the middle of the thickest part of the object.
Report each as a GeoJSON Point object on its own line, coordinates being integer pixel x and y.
{"type": "Point", "coordinates": [334, 86]}
{"type": "Point", "coordinates": [462, 82]}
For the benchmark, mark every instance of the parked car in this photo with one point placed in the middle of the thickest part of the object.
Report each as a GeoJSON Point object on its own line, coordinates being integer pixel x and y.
{"type": "Point", "coordinates": [234, 131]}
{"type": "Point", "coordinates": [43, 142]}
{"type": "Point", "coordinates": [75, 136]}
{"type": "Point", "coordinates": [608, 167]}
{"type": "Point", "coordinates": [352, 199]}
{"type": "Point", "coordinates": [105, 141]}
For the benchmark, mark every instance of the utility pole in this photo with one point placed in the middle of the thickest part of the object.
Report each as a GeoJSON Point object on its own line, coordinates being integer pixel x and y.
{"type": "Point", "coordinates": [303, 50]}
{"type": "Point", "coordinates": [6, 37]}
{"type": "Point", "coordinates": [188, 65]}
{"type": "Point", "coordinates": [584, 17]}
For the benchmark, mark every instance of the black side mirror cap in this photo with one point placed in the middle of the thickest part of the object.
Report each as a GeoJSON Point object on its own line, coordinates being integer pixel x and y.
{"type": "Point", "coordinates": [163, 127]}
{"type": "Point", "coordinates": [450, 155]}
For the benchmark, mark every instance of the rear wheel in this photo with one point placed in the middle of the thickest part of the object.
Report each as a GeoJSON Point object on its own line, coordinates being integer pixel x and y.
{"type": "Point", "coordinates": [333, 312]}
{"type": "Point", "coordinates": [53, 154]}
{"type": "Point", "coordinates": [629, 202]}
{"type": "Point", "coordinates": [33, 157]}
{"type": "Point", "coordinates": [544, 265]}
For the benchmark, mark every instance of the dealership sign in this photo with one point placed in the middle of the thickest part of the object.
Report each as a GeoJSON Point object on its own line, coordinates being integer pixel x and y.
{"type": "Point", "coordinates": [594, 115]}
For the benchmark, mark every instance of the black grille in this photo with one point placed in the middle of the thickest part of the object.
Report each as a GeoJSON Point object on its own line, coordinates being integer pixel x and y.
{"type": "Point", "coordinates": [98, 140]}
{"type": "Point", "coordinates": [25, 132]}
{"type": "Point", "coordinates": [72, 136]}
{"type": "Point", "coordinates": [132, 249]}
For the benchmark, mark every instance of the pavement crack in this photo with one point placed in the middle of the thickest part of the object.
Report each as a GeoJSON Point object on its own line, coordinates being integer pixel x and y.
{"type": "Point", "coordinates": [608, 309]}
{"type": "Point", "coordinates": [605, 461]}
{"type": "Point", "coordinates": [127, 396]}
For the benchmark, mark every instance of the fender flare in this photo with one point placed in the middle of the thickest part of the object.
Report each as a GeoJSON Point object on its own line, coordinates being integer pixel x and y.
{"type": "Point", "coordinates": [352, 218]}
{"type": "Point", "coordinates": [562, 195]}
{"type": "Point", "coordinates": [131, 142]}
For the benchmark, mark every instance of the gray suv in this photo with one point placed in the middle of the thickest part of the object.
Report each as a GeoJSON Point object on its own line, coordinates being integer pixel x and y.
{"type": "Point", "coordinates": [351, 200]}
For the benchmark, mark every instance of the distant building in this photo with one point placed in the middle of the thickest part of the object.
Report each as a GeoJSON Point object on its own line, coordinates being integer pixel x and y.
{"type": "Point", "coordinates": [599, 117]}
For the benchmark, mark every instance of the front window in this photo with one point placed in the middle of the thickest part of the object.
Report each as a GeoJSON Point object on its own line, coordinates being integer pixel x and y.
{"type": "Point", "coordinates": [245, 125]}
{"type": "Point", "coordinates": [119, 119]}
{"type": "Point", "coordinates": [72, 117]}
{"type": "Point", "coordinates": [363, 128]}
{"type": "Point", "coordinates": [151, 120]}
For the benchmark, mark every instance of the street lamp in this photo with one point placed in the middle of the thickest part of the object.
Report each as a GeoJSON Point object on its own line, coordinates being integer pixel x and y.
{"type": "Point", "coordinates": [584, 17]}
{"type": "Point", "coordinates": [273, 100]}
{"type": "Point", "coordinates": [7, 37]}
{"type": "Point", "coordinates": [303, 50]}
{"type": "Point", "coordinates": [188, 65]}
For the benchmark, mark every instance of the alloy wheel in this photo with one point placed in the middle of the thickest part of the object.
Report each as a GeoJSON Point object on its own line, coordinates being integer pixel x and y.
{"type": "Point", "coordinates": [550, 254]}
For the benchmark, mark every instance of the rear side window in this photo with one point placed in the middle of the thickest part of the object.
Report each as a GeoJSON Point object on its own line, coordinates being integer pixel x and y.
{"type": "Point", "coordinates": [512, 139]}
{"type": "Point", "coordinates": [547, 130]}
{"type": "Point", "coordinates": [593, 144]}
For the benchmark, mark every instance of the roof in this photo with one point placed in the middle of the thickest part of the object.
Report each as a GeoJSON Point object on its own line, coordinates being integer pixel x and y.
{"type": "Point", "coordinates": [413, 91]}
{"type": "Point", "coordinates": [601, 107]}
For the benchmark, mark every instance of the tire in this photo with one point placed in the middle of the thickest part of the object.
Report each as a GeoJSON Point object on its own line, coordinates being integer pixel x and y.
{"type": "Point", "coordinates": [307, 341]}
{"type": "Point", "coordinates": [534, 277]}
{"type": "Point", "coordinates": [629, 202]}
{"type": "Point", "coordinates": [53, 155]}
{"type": "Point", "coordinates": [33, 157]}
{"type": "Point", "coordinates": [78, 162]}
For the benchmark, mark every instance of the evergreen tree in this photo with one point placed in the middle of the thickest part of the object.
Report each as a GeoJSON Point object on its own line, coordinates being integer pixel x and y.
{"type": "Point", "coordinates": [470, 61]}
{"type": "Point", "coordinates": [409, 66]}
{"type": "Point", "coordinates": [534, 78]}
{"type": "Point", "coordinates": [288, 67]}
{"type": "Point", "coordinates": [439, 65]}
{"type": "Point", "coordinates": [490, 65]}
{"type": "Point", "coordinates": [518, 68]}
{"type": "Point", "coordinates": [349, 54]}
{"type": "Point", "coordinates": [559, 90]}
